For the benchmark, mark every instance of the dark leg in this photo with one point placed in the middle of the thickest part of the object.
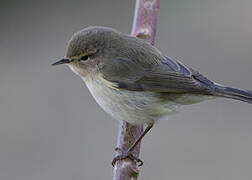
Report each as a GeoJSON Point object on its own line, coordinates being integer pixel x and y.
{"type": "Point", "coordinates": [128, 154]}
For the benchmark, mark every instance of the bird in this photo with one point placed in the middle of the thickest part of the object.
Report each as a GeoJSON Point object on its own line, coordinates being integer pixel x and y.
{"type": "Point", "coordinates": [134, 82]}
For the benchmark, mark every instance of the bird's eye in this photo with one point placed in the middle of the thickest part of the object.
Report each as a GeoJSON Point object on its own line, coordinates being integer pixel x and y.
{"type": "Point", "coordinates": [84, 58]}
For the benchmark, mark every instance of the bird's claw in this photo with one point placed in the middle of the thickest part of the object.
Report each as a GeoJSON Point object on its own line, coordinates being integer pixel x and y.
{"type": "Point", "coordinates": [125, 155]}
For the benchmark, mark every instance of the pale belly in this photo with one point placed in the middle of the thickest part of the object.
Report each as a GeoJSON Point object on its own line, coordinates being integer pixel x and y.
{"type": "Point", "coordinates": [131, 106]}
{"type": "Point", "coordinates": [139, 107]}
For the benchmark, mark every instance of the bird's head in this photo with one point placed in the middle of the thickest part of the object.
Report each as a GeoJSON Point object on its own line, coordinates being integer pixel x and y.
{"type": "Point", "coordinates": [90, 48]}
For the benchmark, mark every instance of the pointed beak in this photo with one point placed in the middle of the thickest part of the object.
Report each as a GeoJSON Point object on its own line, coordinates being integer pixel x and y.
{"type": "Point", "coordinates": [62, 61]}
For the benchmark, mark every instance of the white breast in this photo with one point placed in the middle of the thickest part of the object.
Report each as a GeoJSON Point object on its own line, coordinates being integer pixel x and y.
{"type": "Point", "coordinates": [131, 106]}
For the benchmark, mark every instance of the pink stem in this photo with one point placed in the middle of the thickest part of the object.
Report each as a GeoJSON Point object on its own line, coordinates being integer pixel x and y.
{"type": "Point", "coordinates": [144, 26]}
{"type": "Point", "coordinates": [145, 19]}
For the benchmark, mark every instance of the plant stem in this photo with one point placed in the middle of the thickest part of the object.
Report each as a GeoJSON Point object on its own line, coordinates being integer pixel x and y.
{"type": "Point", "coordinates": [144, 26]}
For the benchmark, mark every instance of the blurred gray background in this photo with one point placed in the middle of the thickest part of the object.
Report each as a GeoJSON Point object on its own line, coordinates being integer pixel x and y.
{"type": "Point", "coordinates": [52, 129]}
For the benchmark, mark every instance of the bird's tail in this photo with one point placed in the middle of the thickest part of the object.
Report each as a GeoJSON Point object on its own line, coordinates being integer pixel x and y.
{"type": "Point", "coordinates": [233, 93]}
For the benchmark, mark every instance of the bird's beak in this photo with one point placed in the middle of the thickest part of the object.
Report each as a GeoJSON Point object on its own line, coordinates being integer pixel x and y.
{"type": "Point", "coordinates": [62, 61]}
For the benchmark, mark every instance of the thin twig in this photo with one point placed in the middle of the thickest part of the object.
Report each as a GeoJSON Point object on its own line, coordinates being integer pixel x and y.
{"type": "Point", "coordinates": [144, 26]}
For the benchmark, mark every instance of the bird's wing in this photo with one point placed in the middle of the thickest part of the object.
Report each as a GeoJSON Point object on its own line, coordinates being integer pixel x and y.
{"type": "Point", "coordinates": [167, 76]}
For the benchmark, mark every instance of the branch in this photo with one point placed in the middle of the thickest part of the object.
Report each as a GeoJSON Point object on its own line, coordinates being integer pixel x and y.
{"type": "Point", "coordinates": [144, 26]}
{"type": "Point", "coordinates": [145, 19]}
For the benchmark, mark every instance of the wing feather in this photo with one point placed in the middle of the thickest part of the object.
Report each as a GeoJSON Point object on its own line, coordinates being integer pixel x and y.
{"type": "Point", "coordinates": [167, 76]}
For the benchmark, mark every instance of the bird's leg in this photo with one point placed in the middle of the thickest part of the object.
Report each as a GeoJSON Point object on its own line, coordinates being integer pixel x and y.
{"type": "Point", "coordinates": [127, 154]}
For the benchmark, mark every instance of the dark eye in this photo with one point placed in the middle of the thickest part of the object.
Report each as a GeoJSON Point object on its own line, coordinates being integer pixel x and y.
{"type": "Point", "coordinates": [84, 58]}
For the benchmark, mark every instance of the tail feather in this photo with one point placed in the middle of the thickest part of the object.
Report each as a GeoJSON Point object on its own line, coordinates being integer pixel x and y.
{"type": "Point", "coordinates": [233, 93]}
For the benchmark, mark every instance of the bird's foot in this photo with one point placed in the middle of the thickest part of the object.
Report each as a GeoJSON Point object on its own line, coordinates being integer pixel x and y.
{"type": "Point", "coordinates": [126, 155]}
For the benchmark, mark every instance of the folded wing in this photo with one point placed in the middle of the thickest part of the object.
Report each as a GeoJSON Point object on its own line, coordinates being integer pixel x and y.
{"type": "Point", "coordinates": [167, 76]}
